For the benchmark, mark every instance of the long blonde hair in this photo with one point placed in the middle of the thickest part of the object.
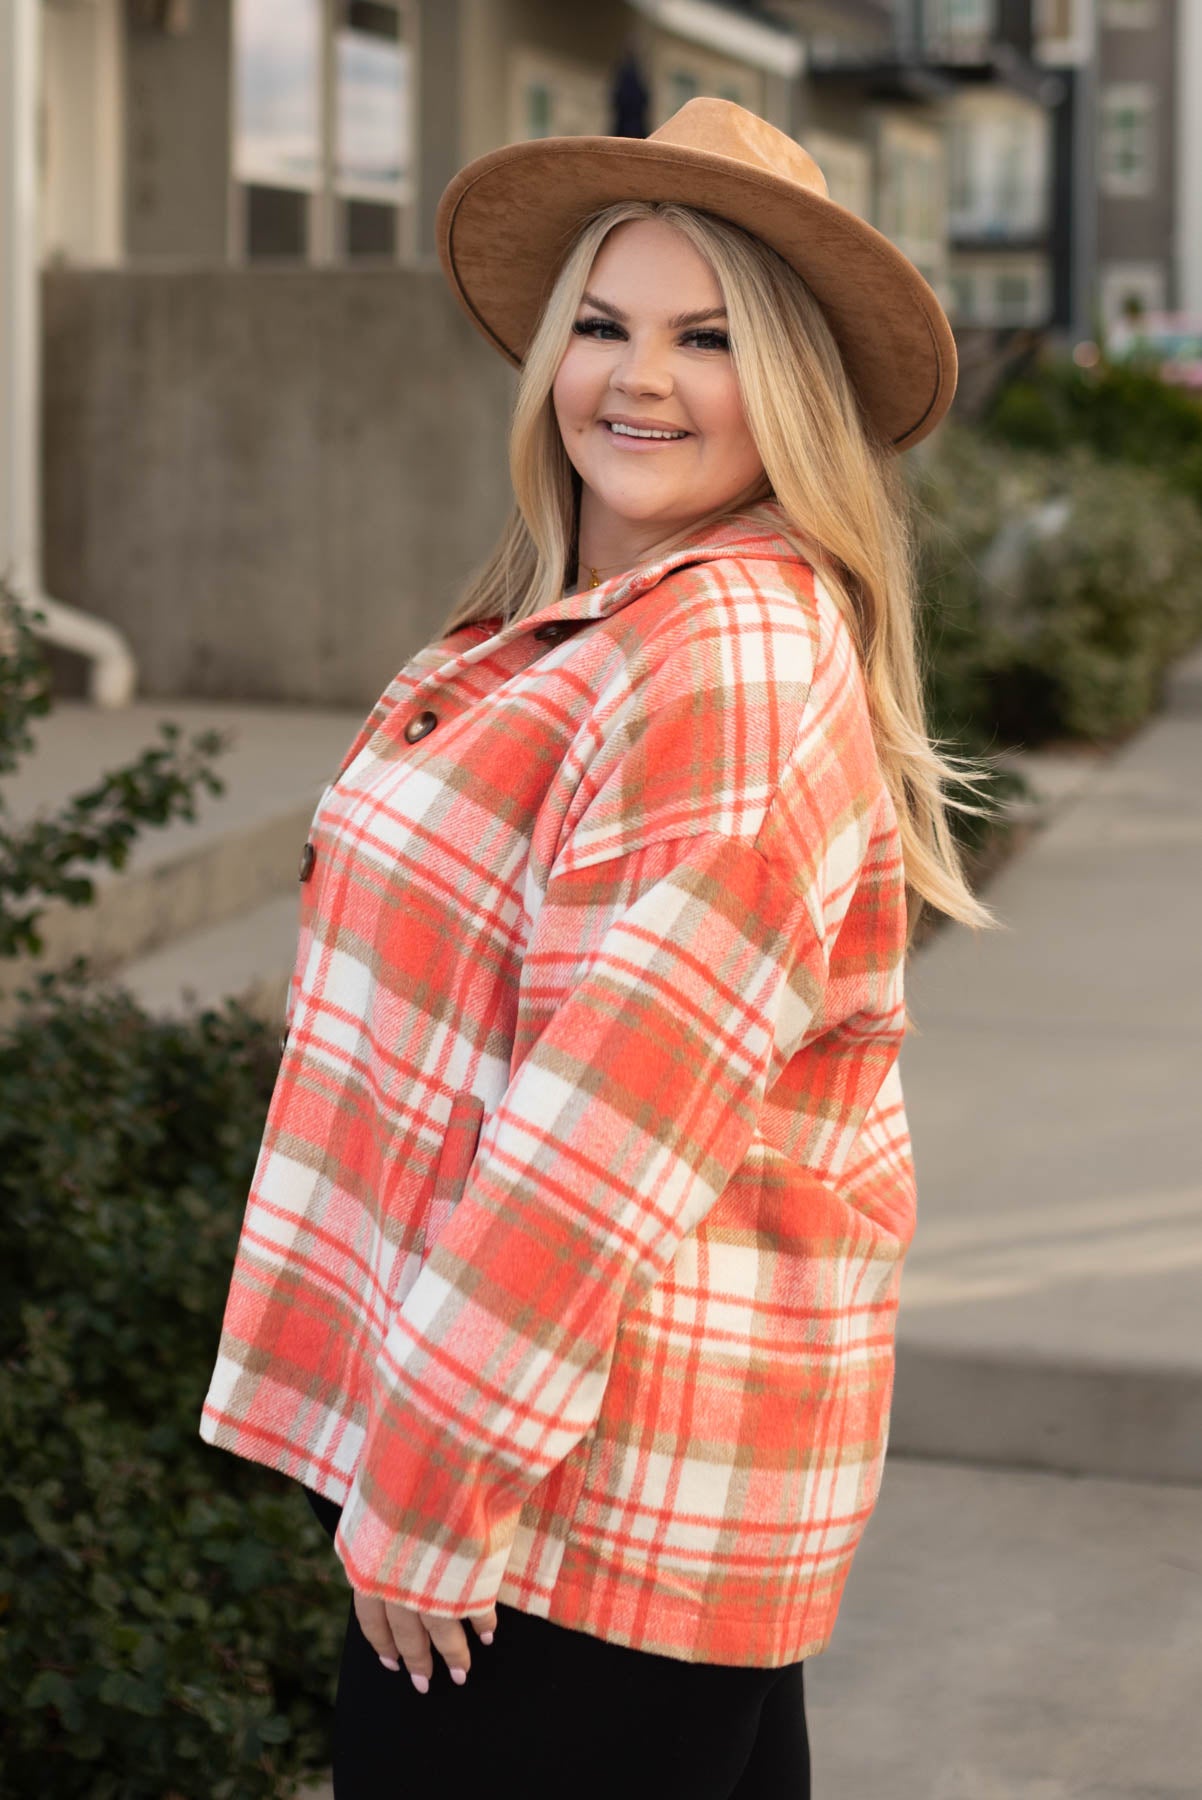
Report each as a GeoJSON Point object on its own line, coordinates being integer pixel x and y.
{"type": "Point", "coordinates": [837, 483]}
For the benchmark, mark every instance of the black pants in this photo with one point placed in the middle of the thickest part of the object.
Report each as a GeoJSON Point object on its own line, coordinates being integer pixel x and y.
{"type": "Point", "coordinates": [548, 1712]}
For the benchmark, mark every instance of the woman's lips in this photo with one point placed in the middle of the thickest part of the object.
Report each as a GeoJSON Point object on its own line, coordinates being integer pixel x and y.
{"type": "Point", "coordinates": [623, 441]}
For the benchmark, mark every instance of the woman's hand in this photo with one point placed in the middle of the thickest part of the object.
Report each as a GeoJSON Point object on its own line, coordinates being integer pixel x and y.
{"type": "Point", "coordinates": [395, 1631]}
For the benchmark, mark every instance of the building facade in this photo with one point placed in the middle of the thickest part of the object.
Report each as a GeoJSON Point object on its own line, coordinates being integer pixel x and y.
{"type": "Point", "coordinates": [262, 407]}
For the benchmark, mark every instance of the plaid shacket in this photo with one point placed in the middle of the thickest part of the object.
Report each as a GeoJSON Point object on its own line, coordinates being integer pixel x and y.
{"type": "Point", "coordinates": [571, 1262]}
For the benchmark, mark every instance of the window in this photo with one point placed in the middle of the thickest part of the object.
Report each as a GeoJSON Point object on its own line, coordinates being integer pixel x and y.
{"type": "Point", "coordinates": [372, 109]}
{"type": "Point", "coordinates": [277, 121]}
{"type": "Point", "coordinates": [959, 29]}
{"type": "Point", "coordinates": [963, 291]}
{"type": "Point", "coordinates": [999, 151]}
{"type": "Point", "coordinates": [679, 74]}
{"type": "Point", "coordinates": [1012, 299]}
{"type": "Point", "coordinates": [1064, 33]}
{"type": "Point", "coordinates": [555, 96]}
{"type": "Point", "coordinates": [1127, 151]}
{"type": "Point", "coordinates": [538, 110]}
{"type": "Point", "coordinates": [961, 177]}
{"type": "Point", "coordinates": [911, 200]}
{"type": "Point", "coordinates": [305, 192]}
{"type": "Point", "coordinates": [277, 223]}
{"type": "Point", "coordinates": [847, 167]}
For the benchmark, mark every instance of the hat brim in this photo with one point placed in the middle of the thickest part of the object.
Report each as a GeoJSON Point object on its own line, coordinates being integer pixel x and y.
{"type": "Point", "coordinates": [506, 222]}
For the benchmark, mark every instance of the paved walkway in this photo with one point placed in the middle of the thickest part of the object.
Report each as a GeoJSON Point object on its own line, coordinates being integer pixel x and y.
{"type": "Point", "coordinates": [1050, 1307]}
{"type": "Point", "coordinates": [1015, 1636]}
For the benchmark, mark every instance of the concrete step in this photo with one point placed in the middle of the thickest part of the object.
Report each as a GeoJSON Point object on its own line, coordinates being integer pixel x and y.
{"type": "Point", "coordinates": [241, 851]}
{"type": "Point", "coordinates": [1049, 1305]}
{"type": "Point", "coordinates": [248, 958]}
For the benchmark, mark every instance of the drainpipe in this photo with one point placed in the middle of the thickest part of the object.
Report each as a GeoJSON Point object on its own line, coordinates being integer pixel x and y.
{"type": "Point", "coordinates": [113, 672]}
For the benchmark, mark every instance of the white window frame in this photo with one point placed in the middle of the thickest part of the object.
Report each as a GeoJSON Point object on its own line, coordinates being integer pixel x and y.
{"type": "Point", "coordinates": [1116, 182]}
{"type": "Point", "coordinates": [325, 194]}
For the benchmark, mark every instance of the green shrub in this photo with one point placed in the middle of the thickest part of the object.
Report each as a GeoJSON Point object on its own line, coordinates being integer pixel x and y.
{"type": "Point", "coordinates": [170, 1615]}
{"type": "Point", "coordinates": [1122, 411]}
{"type": "Point", "coordinates": [1072, 639]}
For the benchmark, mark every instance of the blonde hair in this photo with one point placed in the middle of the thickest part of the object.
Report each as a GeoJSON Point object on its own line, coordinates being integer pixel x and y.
{"type": "Point", "coordinates": [836, 481]}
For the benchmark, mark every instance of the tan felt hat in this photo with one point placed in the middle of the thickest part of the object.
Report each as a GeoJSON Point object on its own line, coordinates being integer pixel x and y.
{"type": "Point", "coordinates": [507, 220]}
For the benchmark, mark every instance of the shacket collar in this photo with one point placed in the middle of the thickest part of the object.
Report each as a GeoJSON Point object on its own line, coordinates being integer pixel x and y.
{"type": "Point", "coordinates": [738, 534]}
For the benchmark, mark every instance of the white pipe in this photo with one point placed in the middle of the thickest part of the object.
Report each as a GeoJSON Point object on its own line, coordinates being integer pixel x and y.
{"type": "Point", "coordinates": [113, 673]}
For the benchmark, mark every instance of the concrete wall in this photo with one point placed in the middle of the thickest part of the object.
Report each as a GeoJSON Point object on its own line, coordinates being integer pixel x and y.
{"type": "Point", "coordinates": [274, 480]}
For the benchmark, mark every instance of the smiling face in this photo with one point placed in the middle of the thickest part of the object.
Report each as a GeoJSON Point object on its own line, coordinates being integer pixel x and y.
{"type": "Point", "coordinates": [646, 396]}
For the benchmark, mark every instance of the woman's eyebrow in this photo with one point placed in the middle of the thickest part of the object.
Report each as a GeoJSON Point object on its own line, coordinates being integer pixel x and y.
{"type": "Point", "coordinates": [676, 324]}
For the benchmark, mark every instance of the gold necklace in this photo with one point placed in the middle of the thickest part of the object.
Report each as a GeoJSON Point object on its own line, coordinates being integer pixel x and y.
{"type": "Point", "coordinates": [595, 574]}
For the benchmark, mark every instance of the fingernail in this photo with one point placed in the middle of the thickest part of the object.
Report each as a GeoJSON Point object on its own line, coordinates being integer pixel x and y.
{"type": "Point", "coordinates": [421, 1683]}
{"type": "Point", "coordinates": [459, 1676]}
{"type": "Point", "coordinates": [486, 1637]}
{"type": "Point", "coordinates": [394, 1666]}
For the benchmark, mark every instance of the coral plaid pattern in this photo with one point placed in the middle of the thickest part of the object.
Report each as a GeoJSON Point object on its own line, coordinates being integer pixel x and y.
{"type": "Point", "coordinates": [571, 1262]}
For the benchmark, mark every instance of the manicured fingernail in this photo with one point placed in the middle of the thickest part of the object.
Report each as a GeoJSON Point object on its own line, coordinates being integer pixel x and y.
{"type": "Point", "coordinates": [486, 1637]}
{"type": "Point", "coordinates": [421, 1683]}
{"type": "Point", "coordinates": [394, 1666]}
{"type": "Point", "coordinates": [459, 1676]}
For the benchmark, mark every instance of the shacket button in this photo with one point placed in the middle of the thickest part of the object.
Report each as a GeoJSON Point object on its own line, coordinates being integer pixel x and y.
{"type": "Point", "coordinates": [283, 1040]}
{"type": "Point", "coordinates": [308, 858]}
{"type": "Point", "coordinates": [418, 727]}
{"type": "Point", "coordinates": [551, 632]}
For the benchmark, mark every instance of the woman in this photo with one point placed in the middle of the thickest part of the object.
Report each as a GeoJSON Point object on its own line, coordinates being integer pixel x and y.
{"type": "Point", "coordinates": [568, 1280]}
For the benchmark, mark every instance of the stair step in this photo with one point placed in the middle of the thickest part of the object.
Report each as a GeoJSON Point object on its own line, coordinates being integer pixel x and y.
{"type": "Point", "coordinates": [182, 878]}
{"type": "Point", "coordinates": [247, 958]}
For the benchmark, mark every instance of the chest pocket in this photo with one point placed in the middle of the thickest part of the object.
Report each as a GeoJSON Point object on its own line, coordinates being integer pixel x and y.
{"type": "Point", "coordinates": [454, 1161]}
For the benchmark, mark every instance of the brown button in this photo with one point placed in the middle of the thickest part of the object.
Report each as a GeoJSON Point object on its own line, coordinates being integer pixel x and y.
{"type": "Point", "coordinates": [418, 727]}
{"type": "Point", "coordinates": [283, 1040]}
{"type": "Point", "coordinates": [552, 631]}
{"type": "Point", "coordinates": [308, 858]}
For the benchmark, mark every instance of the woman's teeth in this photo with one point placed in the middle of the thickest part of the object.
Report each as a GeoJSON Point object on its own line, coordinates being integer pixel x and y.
{"type": "Point", "coordinates": [637, 432]}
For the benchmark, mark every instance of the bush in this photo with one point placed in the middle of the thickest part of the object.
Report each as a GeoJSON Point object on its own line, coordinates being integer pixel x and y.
{"type": "Point", "coordinates": [1064, 636]}
{"type": "Point", "coordinates": [1121, 411]}
{"type": "Point", "coordinates": [170, 1615]}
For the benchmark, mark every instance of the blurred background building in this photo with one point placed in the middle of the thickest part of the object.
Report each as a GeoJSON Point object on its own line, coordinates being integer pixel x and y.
{"type": "Point", "coordinates": [259, 400]}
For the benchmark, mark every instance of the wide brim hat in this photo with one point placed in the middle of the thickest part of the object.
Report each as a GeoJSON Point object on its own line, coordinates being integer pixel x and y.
{"type": "Point", "coordinates": [506, 222]}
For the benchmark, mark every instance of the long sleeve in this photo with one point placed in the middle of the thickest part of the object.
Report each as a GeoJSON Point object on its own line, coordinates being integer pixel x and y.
{"type": "Point", "coordinates": [663, 987]}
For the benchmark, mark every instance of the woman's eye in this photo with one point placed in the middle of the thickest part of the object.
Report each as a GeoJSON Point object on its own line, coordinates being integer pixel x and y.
{"type": "Point", "coordinates": [710, 339]}
{"type": "Point", "coordinates": [594, 327]}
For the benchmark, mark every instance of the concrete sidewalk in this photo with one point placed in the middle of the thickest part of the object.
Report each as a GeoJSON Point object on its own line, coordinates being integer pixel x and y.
{"type": "Point", "coordinates": [1015, 1636]}
{"type": "Point", "coordinates": [1051, 1306]}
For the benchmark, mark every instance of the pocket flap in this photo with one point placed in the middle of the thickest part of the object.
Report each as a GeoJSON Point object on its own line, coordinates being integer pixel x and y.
{"type": "Point", "coordinates": [458, 1147]}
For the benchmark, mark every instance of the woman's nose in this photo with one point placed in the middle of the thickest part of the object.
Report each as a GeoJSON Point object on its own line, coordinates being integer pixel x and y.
{"type": "Point", "coordinates": [643, 371]}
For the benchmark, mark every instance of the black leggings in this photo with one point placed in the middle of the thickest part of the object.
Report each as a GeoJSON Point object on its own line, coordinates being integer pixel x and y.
{"type": "Point", "coordinates": [547, 1711]}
